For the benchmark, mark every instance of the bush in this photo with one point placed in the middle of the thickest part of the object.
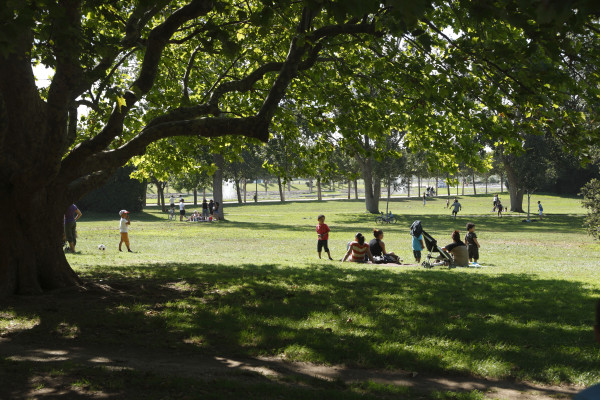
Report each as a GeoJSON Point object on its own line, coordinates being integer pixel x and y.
{"type": "Point", "coordinates": [591, 201]}
{"type": "Point", "coordinates": [120, 192]}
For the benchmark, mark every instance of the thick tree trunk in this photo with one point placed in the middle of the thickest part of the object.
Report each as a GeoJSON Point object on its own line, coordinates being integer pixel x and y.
{"type": "Point", "coordinates": [372, 188]}
{"type": "Point", "coordinates": [281, 189]}
{"type": "Point", "coordinates": [515, 192]}
{"type": "Point", "coordinates": [238, 190]}
{"type": "Point", "coordinates": [266, 187]}
{"type": "Point", "coordinates": [319, 192]}
{"type": "Point", "coordinates": [349, 188]}
{"type": "Point", "coordinates": [31, 255]}
{"type": "Point", "coordinates": [195, 196]}
{"type": "Point", "coordinates": [501, 183]}
{"type": "Point", "coordinates": [245, 189]}
{"type": "Point", "coordinates": [356, 189]}
{"type": "Point", "coordinates": [218, 183]}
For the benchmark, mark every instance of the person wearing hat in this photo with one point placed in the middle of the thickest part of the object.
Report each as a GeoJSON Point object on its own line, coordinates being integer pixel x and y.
{"type": "Point", "coordinates": [124, 228]}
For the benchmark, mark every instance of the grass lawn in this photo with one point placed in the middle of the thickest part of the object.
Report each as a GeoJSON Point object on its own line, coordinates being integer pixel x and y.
{"type": "Point", "coordinates": [253, 286]}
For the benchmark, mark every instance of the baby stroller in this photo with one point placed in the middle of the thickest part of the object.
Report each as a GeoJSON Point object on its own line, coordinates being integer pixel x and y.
{"type": "Point", "coordinates": [432, 247]}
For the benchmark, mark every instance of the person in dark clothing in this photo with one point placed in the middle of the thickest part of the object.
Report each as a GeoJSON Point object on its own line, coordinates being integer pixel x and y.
{"type": "Point", "coordinates": [377, 247]}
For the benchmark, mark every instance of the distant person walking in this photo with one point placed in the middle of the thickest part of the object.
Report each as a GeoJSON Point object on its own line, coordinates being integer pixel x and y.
{"type": "Point", "coordinates": [495, 202]}
{"type": "Point", "coordinates": [456, 207]}
{"type": "Point", "coordinates": [541, 210]}
{"type": "Point", "coordinates": [499, 207]}
{"type": "Point", "coordinates": [70, 220]}
{"type": "Point", "coordinates": [424, 199]}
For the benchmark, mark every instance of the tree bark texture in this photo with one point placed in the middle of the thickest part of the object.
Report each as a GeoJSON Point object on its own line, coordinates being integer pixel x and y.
{"type": "Point", "coordinates": [281, 189]}
{"type": "Point", "coordinates": [319, 192]}
{"type": "Point", "coordinates": [218, 183]}
{"type": "Point", "coordinates": [516, 193]}
{"type": "Point", "coordinates": [31, 256]}
{"type": "Point", "coordinates": [372, 187]}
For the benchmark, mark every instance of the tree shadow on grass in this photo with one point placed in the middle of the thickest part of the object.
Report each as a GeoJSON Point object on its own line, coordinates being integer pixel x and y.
{"type": "Point", "coordinates": [505, 326]}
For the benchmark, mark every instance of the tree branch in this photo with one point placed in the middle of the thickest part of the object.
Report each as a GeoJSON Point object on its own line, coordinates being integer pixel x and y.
{"type": "Point", "coordinates": [157, 40]}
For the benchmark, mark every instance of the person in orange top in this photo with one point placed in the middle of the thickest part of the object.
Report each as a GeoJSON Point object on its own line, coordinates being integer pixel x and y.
{"type": "Point", "coordinates": [323, 235]}
{"type": "Point", "coordinates": [359, 250]}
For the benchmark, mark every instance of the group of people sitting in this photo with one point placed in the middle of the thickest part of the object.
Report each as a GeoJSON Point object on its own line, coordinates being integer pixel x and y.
{"type": "Point", "coordinates": [374, 251]}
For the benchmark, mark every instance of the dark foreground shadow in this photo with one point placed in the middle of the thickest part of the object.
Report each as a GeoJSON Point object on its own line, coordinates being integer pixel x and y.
{"type": "Point", "coordinates": [432, 322]}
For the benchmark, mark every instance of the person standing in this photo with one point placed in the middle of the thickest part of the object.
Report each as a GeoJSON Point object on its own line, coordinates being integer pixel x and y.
{"type": "Point", "coordinates": [456, 207]}
{"type": "Point", "coordinates": [541, 210]}
{"type": "Point", "coordinates": [424, 198]}
{"type": "Point", "coordinates": [205, 209]}
{"type": "Point", "coordinates": [472, 243]}
{"type": "Point", "coordinates": [323, 236]}
{"type": "Point", "coordinates": [70, 220]}
{"type": "Point", "coordinates": [124, 229]}
{"type": "Point", "coordinates": [417, 246]}
{"type": "Point", "coordinates": [495, 202]}
{"type": "Point", "coordinates": [181, 209]}
{"type": "Point", "coordinates": [500, 208]}
{"type": "Point", "coordinates": [211, 206]}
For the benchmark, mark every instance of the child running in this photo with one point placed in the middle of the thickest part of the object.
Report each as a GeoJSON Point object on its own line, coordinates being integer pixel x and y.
{"type": "Point", "coordinates": [472, 243]}
{"type": "Point", "coordinates": [124, 228]}
{"type": "Point", "coordinates": [456, 207]}
{"type": "Point", "coordinates": [323, 235]}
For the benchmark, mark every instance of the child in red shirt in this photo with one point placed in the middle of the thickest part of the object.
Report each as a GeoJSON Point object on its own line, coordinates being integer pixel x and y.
{"type": "Point", "coordinates": [323, 234]}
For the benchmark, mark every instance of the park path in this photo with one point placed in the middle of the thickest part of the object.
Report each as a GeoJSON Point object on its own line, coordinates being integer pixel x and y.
{"type": "Point", "coordinates": [177, 363]}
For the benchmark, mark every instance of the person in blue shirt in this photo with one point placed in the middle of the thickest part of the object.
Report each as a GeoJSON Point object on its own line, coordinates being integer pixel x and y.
{"type": "Point", "coordinates": [418, 246]}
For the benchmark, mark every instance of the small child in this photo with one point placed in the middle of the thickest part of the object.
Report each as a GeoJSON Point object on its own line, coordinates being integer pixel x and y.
{"type": "Point", "coordinates": [124, 227]}
{"type": "Point", "coordinates": [172, 212]}
{"type": "Point", "coordinates": [456, 207]}
{"type": "Point", "coordinates": [540, 210]}
{"type": "Point", "coordinates": [417, 246]}
{"type": "Point", "coordinates": [323, 235]}
{"type": "Point", "coordinates": [472, 243]}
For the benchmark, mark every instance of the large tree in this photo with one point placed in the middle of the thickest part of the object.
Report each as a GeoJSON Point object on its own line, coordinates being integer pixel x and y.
{"type": "Point", "coordinates": [148, 70]}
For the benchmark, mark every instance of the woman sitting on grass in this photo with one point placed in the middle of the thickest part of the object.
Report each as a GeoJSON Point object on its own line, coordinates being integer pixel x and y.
{"type": "Point", "coordinates": [359, 250]}
{"type": "Point", "coordinates": [377, 247]}
{"type": "Point", "coordinates": [458, 249]}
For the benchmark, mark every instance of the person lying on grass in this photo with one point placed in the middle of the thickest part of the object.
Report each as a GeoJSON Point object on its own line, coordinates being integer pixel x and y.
{"type": "Point", "coordinates": [359, 250]}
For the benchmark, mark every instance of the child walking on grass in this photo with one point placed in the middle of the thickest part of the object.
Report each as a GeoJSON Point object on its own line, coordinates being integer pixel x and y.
{"type": "Point", "coordinates": [323, 235]}
{"type": "Point", "coordinates": [124, 228]}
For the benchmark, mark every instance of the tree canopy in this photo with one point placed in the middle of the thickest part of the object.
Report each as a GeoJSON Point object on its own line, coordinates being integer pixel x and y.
{"type": "Point", "coordinates": [448, 72]}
